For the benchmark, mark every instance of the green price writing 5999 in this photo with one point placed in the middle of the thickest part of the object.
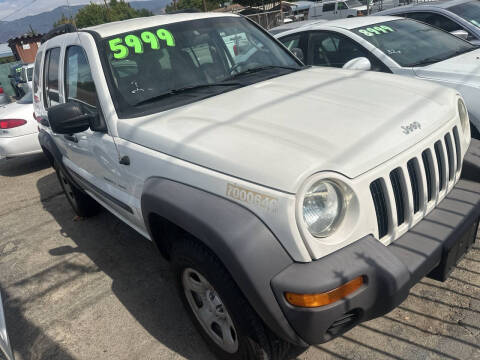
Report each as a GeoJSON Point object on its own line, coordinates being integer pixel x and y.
{"type": "Point", "coordinates": [120, 46]}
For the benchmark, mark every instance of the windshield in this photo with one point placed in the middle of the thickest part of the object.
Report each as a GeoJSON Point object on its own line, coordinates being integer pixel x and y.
{"type": "Point", "coordinates": [26, 99]}
{"type": "Point", "coordinates": [411, 43]}
{"type": "Point", "coordinates": [470, 11]}
{"type": "Point", "coordinates": [163, 67]}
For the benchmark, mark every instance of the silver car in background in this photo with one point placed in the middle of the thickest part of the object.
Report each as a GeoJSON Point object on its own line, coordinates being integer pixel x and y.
{"type": "Point", "coordinates": [454, 16]}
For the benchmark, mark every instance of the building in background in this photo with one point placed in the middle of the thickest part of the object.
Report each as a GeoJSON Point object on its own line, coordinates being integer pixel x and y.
{"type": "Point", "coordinates": [25, 47]}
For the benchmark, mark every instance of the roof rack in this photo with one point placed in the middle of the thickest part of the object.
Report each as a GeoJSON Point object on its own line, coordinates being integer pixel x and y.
{"type": "Point", "coordinates": [59, 30]}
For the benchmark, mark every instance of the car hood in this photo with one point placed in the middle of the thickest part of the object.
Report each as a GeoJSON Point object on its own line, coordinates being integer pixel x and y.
{"type": "Point", "coordinates": [463, 69]}
{"type": "Point", "coordinates": [280, 131]}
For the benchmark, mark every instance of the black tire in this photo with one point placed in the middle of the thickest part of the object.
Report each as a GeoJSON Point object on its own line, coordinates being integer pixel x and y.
{"type": "Point", "coordinates": [255, 340]}
{"type": "Point", "coordinates": [475, 132]}
{"type": "Point", "coordinates": [83, 205]}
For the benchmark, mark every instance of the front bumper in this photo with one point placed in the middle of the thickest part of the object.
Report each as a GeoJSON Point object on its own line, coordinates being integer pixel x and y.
{"type": "Point", "coordinates": [389, 271]}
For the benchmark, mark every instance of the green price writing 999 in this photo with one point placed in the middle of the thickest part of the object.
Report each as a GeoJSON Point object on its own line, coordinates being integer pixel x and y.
{"type": "Point", "coordinates": [120, 46]}
{"type": "Point", "coordinates": [376, 30]}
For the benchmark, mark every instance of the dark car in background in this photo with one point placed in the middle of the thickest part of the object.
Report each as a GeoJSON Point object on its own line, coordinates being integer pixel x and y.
{"type": "Point", "coordinates": [453, 16]}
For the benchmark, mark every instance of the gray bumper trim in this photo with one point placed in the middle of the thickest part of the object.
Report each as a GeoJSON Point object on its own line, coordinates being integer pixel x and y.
{"type": "Point", "coordinates": [390, 271]}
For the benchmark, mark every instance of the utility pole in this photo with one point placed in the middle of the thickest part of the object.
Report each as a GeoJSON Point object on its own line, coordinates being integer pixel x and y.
{"type": "Point", "coordinates": [204, 5]}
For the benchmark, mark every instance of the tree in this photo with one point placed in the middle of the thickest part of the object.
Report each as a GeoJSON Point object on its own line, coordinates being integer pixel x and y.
{"type": "Point", "coordinates": [191, 4]}
{"type": "Point", "coordinates": [63, 20]}
{"type": "Point", "coordinates": [116, 10]}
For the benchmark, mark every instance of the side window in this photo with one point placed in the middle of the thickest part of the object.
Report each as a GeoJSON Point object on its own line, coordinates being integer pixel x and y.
{"type": "Point", "coordinates": [341, 6]}
{"type": "Point", "coordinates": [50, 81]}
{"type": "Point", "coordinates": [437, 20]}
{"type": "Point", "coordinates": [29, 73]}
{"type": "Point", "coordinates": [328, 7]}
{"type": "Point", "coordinates": [79, 85]}
{"type": "Point", "coordinates": [36, 72]}
{"type": "Point", "coordinates": [292, 41]}
{"type": "Point", "coordinates": [334, 50]}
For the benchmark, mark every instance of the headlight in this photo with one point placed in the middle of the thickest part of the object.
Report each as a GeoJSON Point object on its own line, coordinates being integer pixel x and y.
{"type": "Point", "coordinates": [323, 208]}
{"type": "Point", "coordinates": [463, 113]}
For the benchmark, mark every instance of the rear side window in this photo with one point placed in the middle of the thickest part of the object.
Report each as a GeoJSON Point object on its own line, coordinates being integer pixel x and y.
{"type": "Point", "coordinates": [329, 7]}
{"type": "Point", "coordinates": [50, 80]}
{"type": "Point", "coordinates": [437, 20]}
{"type": "Point", "coordinates": [36, 71]}
{"type": "Point", "coordinates": [79, 85]}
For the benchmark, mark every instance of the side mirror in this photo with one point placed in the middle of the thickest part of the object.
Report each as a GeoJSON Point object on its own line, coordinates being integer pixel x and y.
{"type": "Point", "coordinates": [462, 34]}
{"type": "Point", "coordinates": [68, 118]}
{"type": "Point", "coordinates": [360, 63]}
{"type": "Point", "coordinates": [298, 53]}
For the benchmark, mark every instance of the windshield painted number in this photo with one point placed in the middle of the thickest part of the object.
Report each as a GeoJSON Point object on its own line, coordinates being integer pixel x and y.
{"type": "Point", "coordinates": [150, 38]}
{"type": "Point", "coordinates": [376, 30]}
{"type": "Point", "coordinates": [167, 36]}
{"type": "Point", "coordinates": [121, 51]}
{"type": "Point", "coordinates": [134, 42]}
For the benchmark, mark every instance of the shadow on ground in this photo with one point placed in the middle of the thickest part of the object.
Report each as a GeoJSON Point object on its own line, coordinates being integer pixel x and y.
{"type": "Point", "coordinates": [141, 279]}
{"type": "Point", "coordinates": [23, 165]}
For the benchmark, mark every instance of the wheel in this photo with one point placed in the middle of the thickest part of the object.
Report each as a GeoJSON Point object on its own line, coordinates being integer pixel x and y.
{"type": "Point", "coordinates": [219, 310]}
{"type": "Point", "coordinates": [82, 204]}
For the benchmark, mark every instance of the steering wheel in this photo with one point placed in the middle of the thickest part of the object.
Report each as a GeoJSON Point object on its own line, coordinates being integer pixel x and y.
{"type": "Point", "coordinates": [237, 68]}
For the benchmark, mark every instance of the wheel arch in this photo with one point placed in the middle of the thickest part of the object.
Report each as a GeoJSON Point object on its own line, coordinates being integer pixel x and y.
{"type": "Point", "coordinates": [240, 240]}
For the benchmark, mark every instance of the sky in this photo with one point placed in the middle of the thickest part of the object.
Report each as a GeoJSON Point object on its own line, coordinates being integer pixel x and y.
{"type": "Point", "coordinates": [16, 9]}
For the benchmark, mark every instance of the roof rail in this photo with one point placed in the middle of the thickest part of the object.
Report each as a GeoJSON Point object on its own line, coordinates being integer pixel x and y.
{"type": "Point", "coordinates": [59, 30]}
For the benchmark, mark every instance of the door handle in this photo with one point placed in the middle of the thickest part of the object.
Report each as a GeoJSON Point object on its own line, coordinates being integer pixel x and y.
{"type": "Point", "coordinates": [72, 138]}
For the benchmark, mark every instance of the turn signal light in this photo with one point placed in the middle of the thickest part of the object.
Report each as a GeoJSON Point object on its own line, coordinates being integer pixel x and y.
{"type": "Point", "coordinates": [11, 123]}
{"type": "Point", "coordinates": [1, 90]}
{"type": "Point", "coordinates": [322, 299]}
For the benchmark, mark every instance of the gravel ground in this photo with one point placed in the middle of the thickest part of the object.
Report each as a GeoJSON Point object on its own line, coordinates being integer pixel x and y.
{"type": "Point", "coordinates": [94, 289]}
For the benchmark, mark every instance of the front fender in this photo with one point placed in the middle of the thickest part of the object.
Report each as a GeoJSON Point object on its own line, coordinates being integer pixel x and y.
{"type": "Point", "coordinates": [243, 243]}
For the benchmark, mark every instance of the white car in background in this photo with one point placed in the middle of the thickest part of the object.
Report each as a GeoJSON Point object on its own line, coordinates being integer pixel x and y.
{"type": "Point", "coordinates": [393, 45]}
{"type": "Point", "coordinates": [329, 10]}
{"type": "Point", "coordinates": [26, 76]}
{"type": "Point", "coordinates": [18, 129]}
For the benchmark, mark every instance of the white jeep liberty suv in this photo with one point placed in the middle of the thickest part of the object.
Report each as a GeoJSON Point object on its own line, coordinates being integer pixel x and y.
{"type": "Point", "coordinates": [293, 202]}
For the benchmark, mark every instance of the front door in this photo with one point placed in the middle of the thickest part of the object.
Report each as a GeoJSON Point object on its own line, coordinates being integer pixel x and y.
{"type": "Point", "coordinates": [92, 154]}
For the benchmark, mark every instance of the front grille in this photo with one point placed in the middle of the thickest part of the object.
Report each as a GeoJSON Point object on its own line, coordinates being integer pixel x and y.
{"type": "Point", "coordinates": [378, 195]}
{"type": "Point", "coordinates": [395, 178]}
{"type": "Point", "coordinates": [427, 165]}
{"type": "Point", "coordinates": [441, 165]}
{"type": "Point", "coordinates": [412, 173]}
{"type": "Point", "coordinates": [411, 187]}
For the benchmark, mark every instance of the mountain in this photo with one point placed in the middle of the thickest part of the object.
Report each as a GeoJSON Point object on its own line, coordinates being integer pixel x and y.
{"type": "Point", "coordinates": [43, 22]}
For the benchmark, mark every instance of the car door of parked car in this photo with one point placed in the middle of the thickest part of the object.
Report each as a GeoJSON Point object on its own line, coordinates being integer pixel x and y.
{"type": "Point", "coordinates": [92, 155]}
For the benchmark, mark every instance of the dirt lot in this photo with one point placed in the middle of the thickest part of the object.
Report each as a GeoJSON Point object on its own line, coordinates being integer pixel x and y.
{"type": "Point", "coordinates": [94, 289]}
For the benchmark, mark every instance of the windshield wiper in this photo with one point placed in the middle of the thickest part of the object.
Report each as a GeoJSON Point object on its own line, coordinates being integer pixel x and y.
{"type": "Point", "coordinates": [183, 90]}
{"type": "Point", "coordinates": [261, 68]}
{"type": "Point", "coordinates": [428, 61]}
